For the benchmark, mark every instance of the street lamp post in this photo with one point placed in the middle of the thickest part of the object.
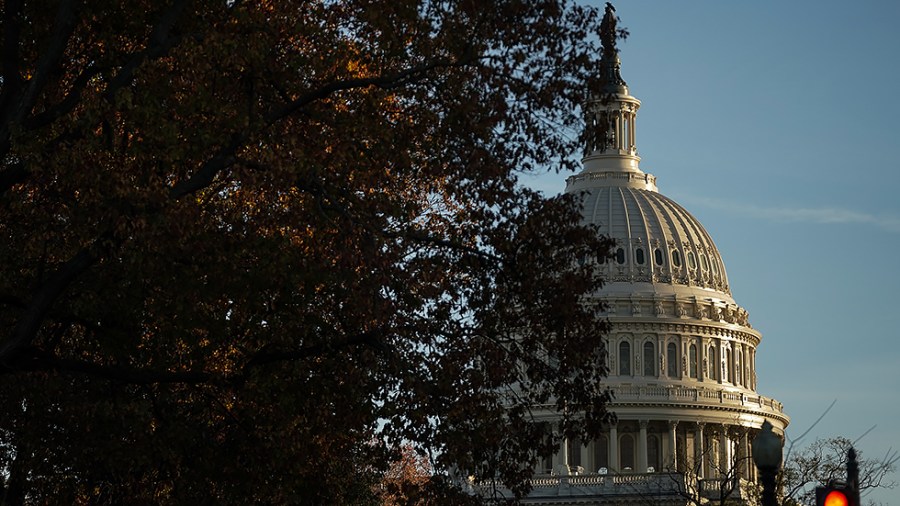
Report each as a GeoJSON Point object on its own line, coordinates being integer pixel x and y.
{"type": "Point", "coordinates": [766, 449]}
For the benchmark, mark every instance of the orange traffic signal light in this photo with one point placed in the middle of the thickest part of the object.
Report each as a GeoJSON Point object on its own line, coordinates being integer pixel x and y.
{"type": "Point", "coordinates": [833, 496]}
{"type": "Point", "coordinates": [836, 498]}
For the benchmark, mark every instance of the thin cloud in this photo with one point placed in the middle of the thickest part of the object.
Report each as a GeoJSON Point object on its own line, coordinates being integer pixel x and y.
{"type": "Point", "coordinates": [820, 215]}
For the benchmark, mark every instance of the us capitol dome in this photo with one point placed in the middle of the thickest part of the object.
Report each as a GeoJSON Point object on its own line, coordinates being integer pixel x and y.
{"type": "Point", "coordinates": [682, 352]}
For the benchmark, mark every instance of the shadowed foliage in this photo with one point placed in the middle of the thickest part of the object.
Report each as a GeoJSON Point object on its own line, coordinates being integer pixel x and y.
{"type": "Point", "coordinates": [249, 249]}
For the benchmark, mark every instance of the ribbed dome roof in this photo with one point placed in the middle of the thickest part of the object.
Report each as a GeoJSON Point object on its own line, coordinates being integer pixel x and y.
{"type": "Point", "coordinates": [660, 241]}
{"type": "Point", "coordinates": [660, 248]}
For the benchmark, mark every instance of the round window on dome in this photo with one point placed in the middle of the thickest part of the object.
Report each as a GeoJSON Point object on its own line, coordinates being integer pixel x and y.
{"type": "Point", "coordinates": [658, 256]}
{"type": "Point", "coordinates": [620, 256]}
{"type": "Point", "coordinates": [639, 256]}
{"type": "Point", "coordinates": [691, 262]}
{"type": "Point", "coordinates": [676, 258]}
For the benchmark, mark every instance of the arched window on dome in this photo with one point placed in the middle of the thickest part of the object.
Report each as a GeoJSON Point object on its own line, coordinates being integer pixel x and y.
{"type": "Point", "coordinates": [703, 262]}
{"type": "Point", "coordinates": [680, 452]}
{"type": "Point", "coordinates": [574, 451]}
{"type": "Point", "coordinates": [601, 454]}
{"type": "Point", "coordinates": [649, 362]}
{"type": "Point", "coordinates": [546, 464]}
{"type": "Point", "coordinates": [712, 363]}
{"type": "Point", "coordinates": [639, 256]}
{"type": "Point", "coordinates": [676, 258]}
{"type": "Point", "coordinates": [672, 360]}
{"type": "Point", "coordinates": [626, 452]}
{"type": "Point", "coordinates": [691, 262]}
{"type": "Point", "coordinates": [715, 265]}
{"type": "Point", "coordinates": [624, 359]}
{"type": "Point", "coordinates": [653, 453]}
{"type": "Point", "coordinates": [658, 256]}
{"type": "Point", "coordinates": [620, 256]}
{"type": "Point", "coordinates": [692, 361]}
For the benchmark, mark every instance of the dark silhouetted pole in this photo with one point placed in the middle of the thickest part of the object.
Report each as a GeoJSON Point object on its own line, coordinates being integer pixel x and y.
{"type": "Point", "coordinates": [853, 476]}
{"type": "Point", "coordinates": [766, 449]}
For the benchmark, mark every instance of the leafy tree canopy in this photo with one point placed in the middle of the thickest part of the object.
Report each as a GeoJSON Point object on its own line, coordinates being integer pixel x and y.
{"type": "Point", "coordinates": [823, 462]}
{"type": "Point", "coordinates": [249, 249]}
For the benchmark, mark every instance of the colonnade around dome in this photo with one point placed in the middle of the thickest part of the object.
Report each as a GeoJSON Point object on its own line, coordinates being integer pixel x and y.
{"type": "Point", "coordinates": [682, 459]}
{"type": "Point", "coordinates": [633, 446]}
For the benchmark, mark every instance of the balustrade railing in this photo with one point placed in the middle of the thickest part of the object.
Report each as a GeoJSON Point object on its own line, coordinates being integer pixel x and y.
{"type": "Point", "coordinates": [639, 484]}
{"type": "Point", "coordinates": [718, 488]}
{"type": "Point", "coordinates": [698, 395]}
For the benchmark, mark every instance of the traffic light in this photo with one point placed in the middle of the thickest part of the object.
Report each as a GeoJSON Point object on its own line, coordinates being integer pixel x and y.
{"type": "Point", "coordinates": [833, 496]}
{"type": "Point", "coordinates": [839, 493]}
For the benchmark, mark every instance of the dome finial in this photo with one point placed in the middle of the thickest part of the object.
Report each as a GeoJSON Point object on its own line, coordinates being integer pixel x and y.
{"type": "Point", "coordinates": [610, 114]}
{"type": "Point", "coordinates": [610, 77]}
{"type": "Point", "coordinates": [608, 32]}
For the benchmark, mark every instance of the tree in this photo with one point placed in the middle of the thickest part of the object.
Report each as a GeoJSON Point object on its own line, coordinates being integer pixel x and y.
{"type": "Point", "coordinates": [241, 241]}
{"type": "Point", "coordinates": [410, 481]}
{"type": "Point", "coordinates": [825, 461]}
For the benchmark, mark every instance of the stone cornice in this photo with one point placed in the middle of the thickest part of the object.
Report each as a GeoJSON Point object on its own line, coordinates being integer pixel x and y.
{"type": "Point", "coordinates": [675, 400]}
{"type": "Point", "coordinates": [681, 326]}
{"type": "Point", "coordinates": [673, 408]}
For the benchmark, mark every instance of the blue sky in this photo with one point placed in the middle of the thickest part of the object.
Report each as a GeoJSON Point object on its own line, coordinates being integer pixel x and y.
{"type": "Point", "coordinates": [777, 124]}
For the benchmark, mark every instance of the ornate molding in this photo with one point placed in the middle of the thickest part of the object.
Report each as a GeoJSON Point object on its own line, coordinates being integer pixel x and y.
{"type": "Point", "coordinates": [714, 310]}
{"type": "Point", "coordinates": [708, 330]}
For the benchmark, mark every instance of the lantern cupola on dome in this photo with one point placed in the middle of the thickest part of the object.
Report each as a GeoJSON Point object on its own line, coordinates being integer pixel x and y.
{"type": "Point", "coordinates": [611, 151]}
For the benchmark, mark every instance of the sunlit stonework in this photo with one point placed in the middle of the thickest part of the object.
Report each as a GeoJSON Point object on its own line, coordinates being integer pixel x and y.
{"type": "Point", "coordinates": [682, 353]}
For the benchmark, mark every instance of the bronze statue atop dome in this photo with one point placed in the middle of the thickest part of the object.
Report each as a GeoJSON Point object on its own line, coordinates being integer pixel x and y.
{"type": "Point", "coordinates": [608, 31]}
{"type": "Point", "coordinates": [610, 76]}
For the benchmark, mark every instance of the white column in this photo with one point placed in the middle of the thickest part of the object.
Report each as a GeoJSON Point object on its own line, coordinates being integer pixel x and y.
{"type": "Point", "coordinates": [733, 364]}
{"type": "Point", "coordinates": [720, 360]}
{"type": "Point", "coordinates": [633, 146]}
{"type": "Point", "coordinates": [724, 450]}
{"type": "Point", "coordinates": [699, 451]}
{"type": "Point", "coordinates": [642, 447]}
{"type": "Point", "coordinates": [701, 359]}
{"type": "Point", "coordinates": [753, 370]}
{"type": "Point", "coordinates": [662, 351]}
{"type": "Point", "coordinates": [618, 126]}
{"type": "Point", "coordinates": [673, 446]}
{"type": "Point", "coordinates": [613, 456]}
{"type": "Point", "coordinates": [744, 456]}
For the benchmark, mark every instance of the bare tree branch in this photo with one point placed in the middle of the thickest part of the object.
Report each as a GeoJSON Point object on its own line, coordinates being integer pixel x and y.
{"type": "Point", "coordinates": [26, 329]}
{"type": "Point", "coordinates": [159, 42]}
{"type": "Point", "coordinates": [65, 106]}
{"type": "Point", "coordinates": [386, 82]}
